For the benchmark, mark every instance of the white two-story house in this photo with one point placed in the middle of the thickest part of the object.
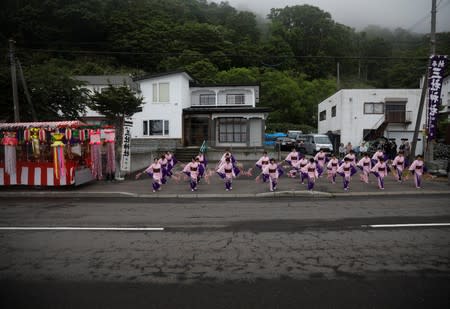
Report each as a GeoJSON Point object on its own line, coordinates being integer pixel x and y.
{"type": "Point", "coordinates": [355, 115]}
{"type": "Point", "coordinates": [96, 83]}
{"type": "Point", "coordinates": [178, 112]}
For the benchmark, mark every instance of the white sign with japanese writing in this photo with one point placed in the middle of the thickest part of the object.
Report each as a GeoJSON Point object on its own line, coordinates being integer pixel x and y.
{"type": "Point", "coordinates": [436, 74]}
{"type": "Point", "coordinates": [125, 161]}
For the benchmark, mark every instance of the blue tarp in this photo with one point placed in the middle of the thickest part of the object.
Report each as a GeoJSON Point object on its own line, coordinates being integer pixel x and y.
{"type": "Point", "coordinates": [269, 138]}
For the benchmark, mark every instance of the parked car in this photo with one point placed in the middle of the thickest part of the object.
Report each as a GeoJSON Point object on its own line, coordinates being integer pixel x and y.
{"type": "Point", "coordinates": [293, 134]}
{"type": "Point", "coordinates": [313, 143]}
{"type": "Point", "coordinates": [285, 143]}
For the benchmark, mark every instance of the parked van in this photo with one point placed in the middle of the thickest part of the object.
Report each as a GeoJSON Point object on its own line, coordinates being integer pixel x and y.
{"type": "Point", "coordinates": [293, 134]}
{"type": "Point", "coordinates": [312, 143]}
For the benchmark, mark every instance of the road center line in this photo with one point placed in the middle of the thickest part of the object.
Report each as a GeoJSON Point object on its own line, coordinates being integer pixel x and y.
{"type": "Point", "coordinates": [77, 228]}
{"type": "Point", "coordinates": [406, 225]}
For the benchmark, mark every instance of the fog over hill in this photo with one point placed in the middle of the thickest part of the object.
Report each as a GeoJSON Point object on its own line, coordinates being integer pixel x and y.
{"type": "Point", "coordinates": [412, 15]}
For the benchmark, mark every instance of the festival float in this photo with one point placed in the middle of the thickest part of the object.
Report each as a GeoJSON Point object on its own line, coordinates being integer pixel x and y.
{"type": "Point", "coordinates": [56, 153]}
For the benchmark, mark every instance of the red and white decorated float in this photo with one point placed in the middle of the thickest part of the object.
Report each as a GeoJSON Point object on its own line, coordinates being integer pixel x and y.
{"type": "Point", "coordinates": [56, 153]}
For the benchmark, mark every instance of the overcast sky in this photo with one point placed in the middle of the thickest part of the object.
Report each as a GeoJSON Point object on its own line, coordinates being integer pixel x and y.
{"type": "Point", "coordinates": [413, 15]}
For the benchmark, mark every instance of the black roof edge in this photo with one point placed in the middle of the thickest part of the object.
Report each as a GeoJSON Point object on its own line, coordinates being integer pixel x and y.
{"type": "Point", "coordinates": [208, 109]}
{"type": "Point", "coordinates": [153, 75]}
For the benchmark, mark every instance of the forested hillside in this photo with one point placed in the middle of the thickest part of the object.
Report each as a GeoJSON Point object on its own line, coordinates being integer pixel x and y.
{"type": "Point", "coordinates": [293, 53]}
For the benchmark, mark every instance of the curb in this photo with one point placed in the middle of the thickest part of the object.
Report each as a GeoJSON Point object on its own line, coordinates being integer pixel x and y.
{"type": "Point", "coordinates": [281, 194]}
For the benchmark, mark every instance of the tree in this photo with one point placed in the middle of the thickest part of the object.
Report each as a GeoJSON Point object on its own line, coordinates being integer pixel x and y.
{"type": "Point", "coordinates": [116, 104]}
{"type": "Point", "coordinates": [238, 75]}
{"type": "Point", "coordinates": [55, 95]}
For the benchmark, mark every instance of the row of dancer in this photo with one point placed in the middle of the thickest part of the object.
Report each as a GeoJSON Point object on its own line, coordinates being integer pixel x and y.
{"type": "Point", "coordinates": [308, 169]}
{"type": "Point", "coordinates": [160, 169]}
{"type": "Point", "coordinates": [346, 168]}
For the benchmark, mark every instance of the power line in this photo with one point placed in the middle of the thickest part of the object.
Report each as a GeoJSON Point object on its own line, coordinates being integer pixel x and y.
{"type": "Point", "coordinates": [130, 53]}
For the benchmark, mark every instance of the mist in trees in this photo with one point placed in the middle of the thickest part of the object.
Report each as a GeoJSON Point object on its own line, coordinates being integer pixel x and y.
{"type": "Point", "coordinates": [293, 53]}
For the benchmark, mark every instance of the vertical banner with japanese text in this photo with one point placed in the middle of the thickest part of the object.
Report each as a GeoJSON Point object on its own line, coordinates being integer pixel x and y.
{"type": "Point", "coordinates": [436, 74]}
{"type": "Point", "coordinates": [125, 161]}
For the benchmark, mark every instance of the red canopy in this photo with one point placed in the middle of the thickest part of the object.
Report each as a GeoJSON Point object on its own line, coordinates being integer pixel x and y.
{"type": "Point", "coordinates": [45, 124]}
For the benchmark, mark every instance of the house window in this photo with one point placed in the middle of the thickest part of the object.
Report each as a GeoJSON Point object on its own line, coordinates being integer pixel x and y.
{"type": "Point", "coordinates": [207, 99]}
{"type": "Point", "coordinates": [333, 111]}
{"type": "Point", "coordinates": [155, 128]}
{"type": "Point", "coordinates": [161, 92]}
{"type": "Point", "coordinates": [373, 108]}
{"type": "Point", "coordinates": [232, 130]}
{"type": "Point", "coordinates": [145, 128]}
{"type": "Point", "coordinates": [322, 115]}
{"type": "Point", "coordinates": [235, 99]}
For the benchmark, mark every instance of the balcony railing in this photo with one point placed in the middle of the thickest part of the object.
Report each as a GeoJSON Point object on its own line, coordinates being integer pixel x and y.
{"type": "Point", "coordinates": [219, 103]}
{"type": "Point", "coordinates": [398, 116]}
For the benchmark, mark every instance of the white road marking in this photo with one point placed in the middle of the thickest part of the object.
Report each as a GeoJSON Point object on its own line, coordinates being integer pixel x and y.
{"type": "Point", "coordinates": [406, 225]}
{"type": "Point", "coordinates": [77, 228]}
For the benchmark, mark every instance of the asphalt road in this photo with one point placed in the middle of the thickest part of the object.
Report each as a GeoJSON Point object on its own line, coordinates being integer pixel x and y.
{"type": "Point", "coordinates": [264, 253]}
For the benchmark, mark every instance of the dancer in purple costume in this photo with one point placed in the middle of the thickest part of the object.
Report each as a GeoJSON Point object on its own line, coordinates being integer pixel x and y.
{"type": "Point", "coordinates": [292, 158]}
{"type": "Point", "coordinates": [154, 171]}
{"type": "Point", "coordinates": [203, 162]}
{"type": "Point", "coordinates": [192, 170]}
{"type": "Point", "coordinates": [273, 171]}
{"type": "Point", "coordinates": [300, 167]}
{"type": "Point", "coordinates": [262, 162]}
{"type": "Point", "coordinates": [351, 155]}
{"type": "Point", "coordinates": [398, 165]}
{"type": "Point", "coordinates": [226, 172]}
{"type": "Point", "coordinates": [332, 167]}
{"type": "Point", "coordinates": [418, 169]}
{"type": "Point", "coordinates": [380, 170]}
{"type": "Point", "coordinates": [346, 170]}
{"type": "Point", "coordinates": [321, 160]}
{"type": "Point", "coordinates": [311, 171]}
{"type": "Point", "coordinates": [164, 168]}
{"type": "Point", "coordinates": [377, 156]}
{"type": "Point", "coordinates": [228, 154]}
{"type": "Point", "coordinates": [365, 165]}
{"type": "Point", "coordinates": [171, 161]}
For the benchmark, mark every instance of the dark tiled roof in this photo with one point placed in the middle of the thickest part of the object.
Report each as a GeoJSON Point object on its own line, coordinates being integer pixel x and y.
{"type": "Point", "coordinates": [105, 79]}
{"type": "Point", "coordinates": [162, 74]}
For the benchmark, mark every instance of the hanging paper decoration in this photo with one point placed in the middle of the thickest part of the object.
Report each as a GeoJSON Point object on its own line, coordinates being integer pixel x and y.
{"type": "Point", "coordinates": [110, 138]}
{"type": "Point", "coordinates": [34, 134]}
{"type": "Point", "coordinates": [42, 135]}
{"type": "Point", "coordinates": [82, 135]}
{"type": "Point", "coordinates": [26, 135]}
{"type": "Point", "coordinates": [10, 141]}
{"type": "Point", "coordinates": [68, 134]}
{"type": "Point", "coordinates": [96, 156]}
{"type": "Point", "coordinates": [58, 155]}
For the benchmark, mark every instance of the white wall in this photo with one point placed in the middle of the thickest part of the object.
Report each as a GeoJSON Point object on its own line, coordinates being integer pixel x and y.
{"type": "Point", "coordinates": [350, 120]}
{"type": "Point", "coordinates": [222, 91]}
{"type": "Point", "coordinates": [172, 110]}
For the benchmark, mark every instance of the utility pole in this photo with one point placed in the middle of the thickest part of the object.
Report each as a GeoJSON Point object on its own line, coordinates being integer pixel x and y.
{"type": "Point", "coordinates": [25, 90]}
{"type": "Point", "coordinates": [429, 154]}
{"type": "Point", "coordinates": [433, 28]}
{"type": "Point", "coordinates": [338, 78]}
{"type": "Point", "coordinates": [425, 83]}
{"type": "Point", "coordinates": [14, 80]}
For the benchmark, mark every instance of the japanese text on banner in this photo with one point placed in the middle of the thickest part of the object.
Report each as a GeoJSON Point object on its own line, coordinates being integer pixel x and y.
{"type": "Point", "coordinates": [125, 162]}
{"type": "Point", "coordinates": [437, 69]}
